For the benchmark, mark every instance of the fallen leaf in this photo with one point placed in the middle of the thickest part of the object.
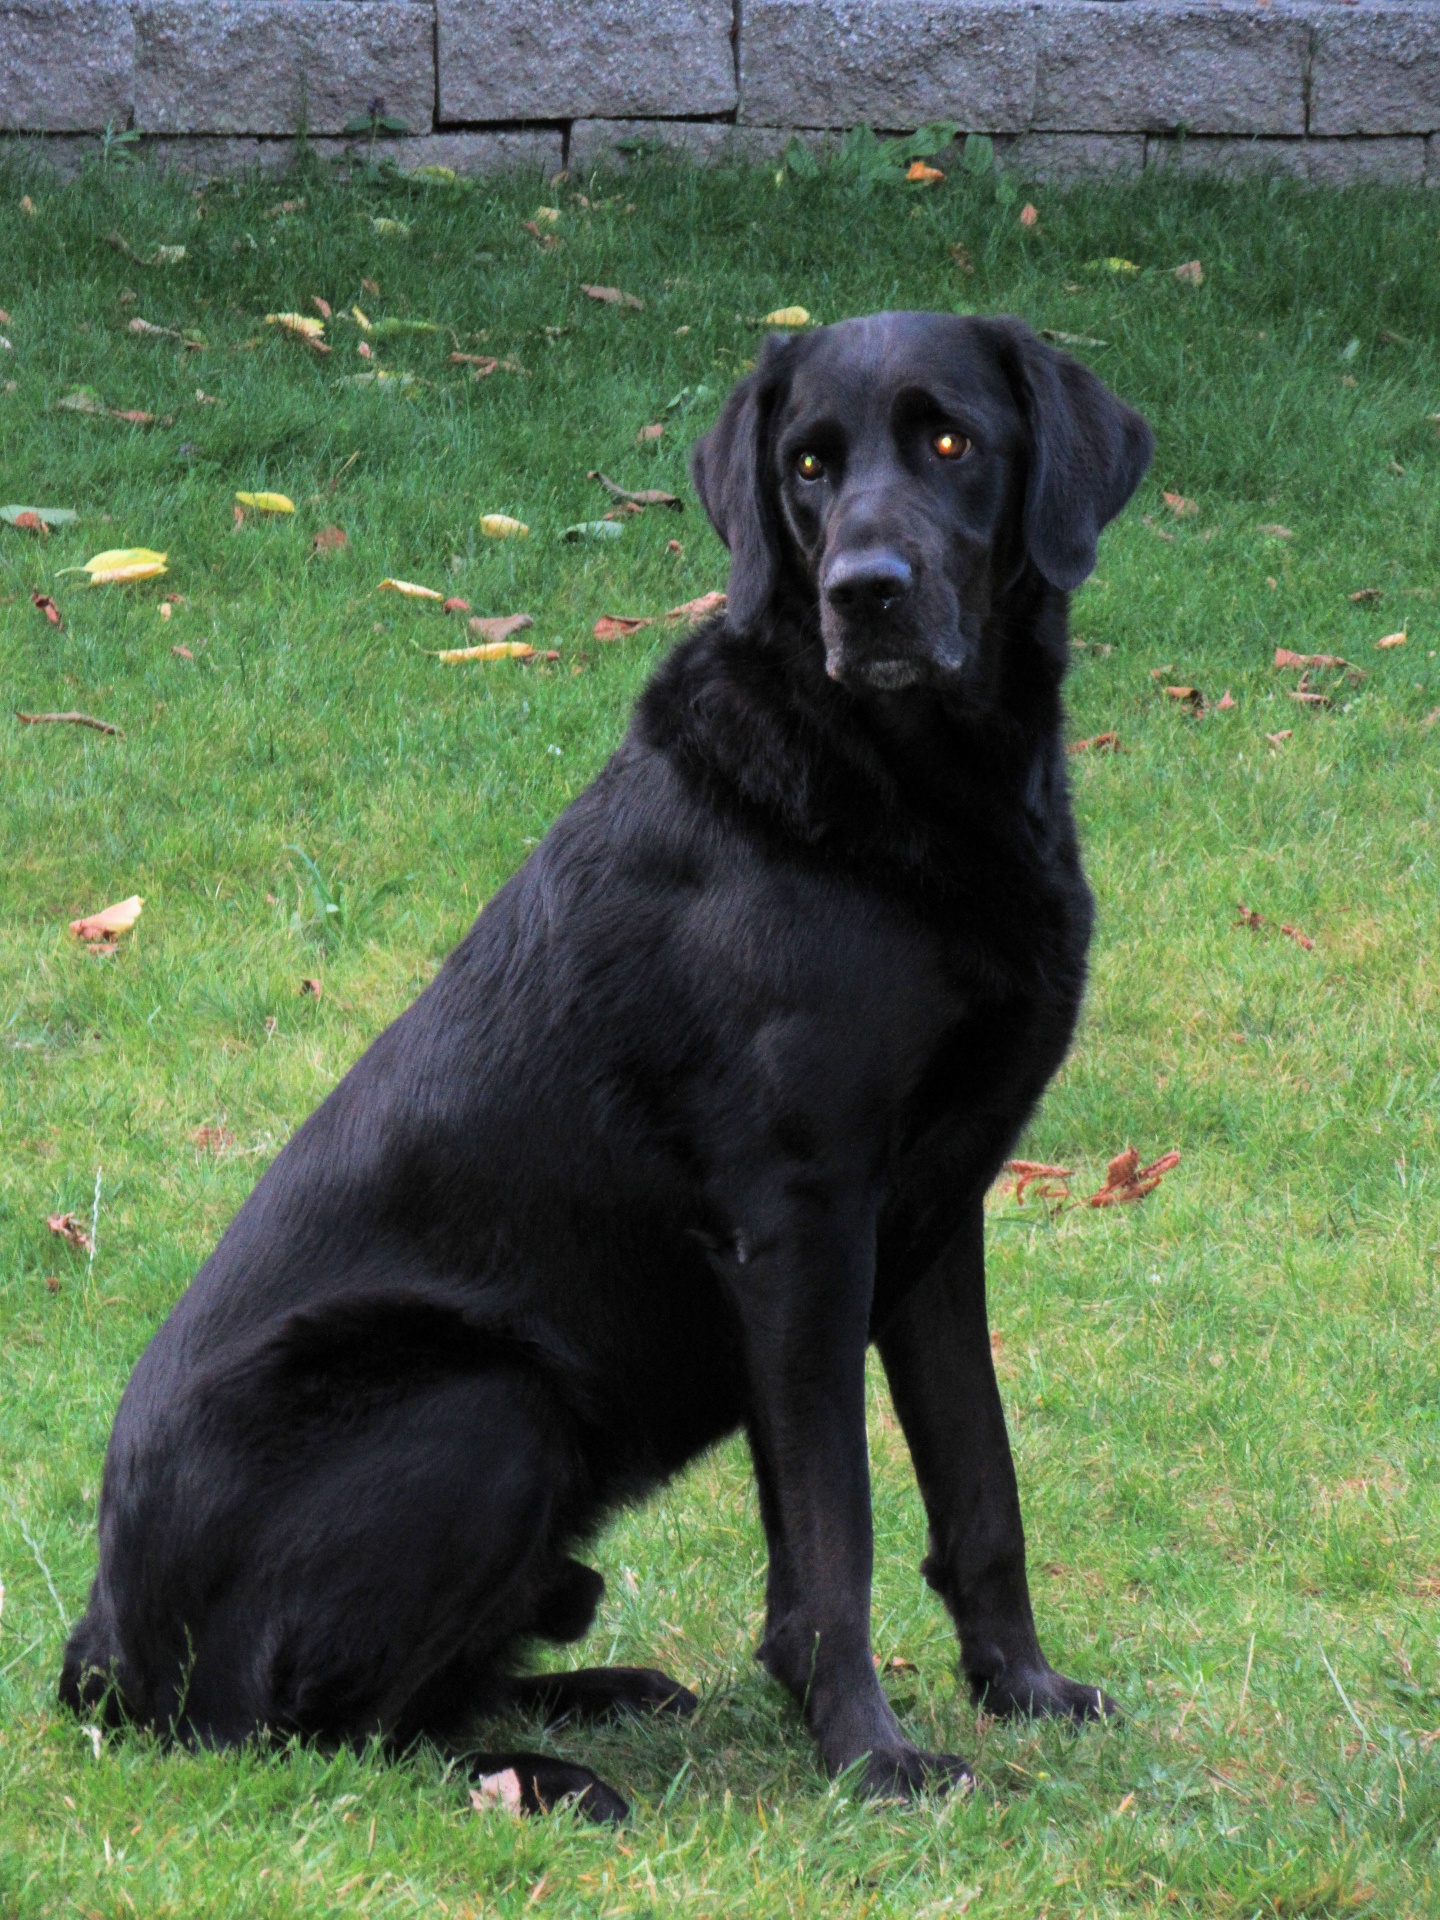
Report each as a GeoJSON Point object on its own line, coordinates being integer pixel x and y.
{"type": "Point", "coordinates": [212, 1139]}
{"type": "Point", "coordinates": [1325, 661]}
{"type": "Point", "coordinates": [1307, 697]}
{"type": "Point", "coordinates": [382, 377]}
{"type": "Point", "coordinates": [300, 326]}
{"type": "Point", "coordinates": [110, 921]}
{"type": "Point", "coordinates": [388, 228]}
{"type": "Point", "coordinates": [533, 228]}
{"type": "Point", "coordinates": [1225, 702]}
{"type": "Point", "coordinates": [1271, 582]}
{"type": "Point", "coordinates": [489, 650]}
{"type": "Point", "coordinates": [500, 526]}
{"type": "Point", "coordinates": [1029, 1172]}
{"type": "Point", "coordinates": [267, 502]}
{"type": "Point", "coordinates": [409, 589]}
{"type": "Point", "coordinates": [497, 627]}
{"type": "Point", "coordinates": [164, 257]}
{"type": "Point", "coordinates": [1190, 273]}
{"type": "Point", "coordinates": [31, 523]}
{"type": "Point", "coordinates": [371, 286]}
{"type": "Point", "coordinates": [48, 607]}
{"type": "Point", "coordinates": [1365, 596]}
{"type": "Point", "coordinates": [500, 1790]}
{"type": "Point", "coordinates": [68, 719]}
{"type": "Point", "coordinates": [1126, 1179]}
{"type": "Point", "coordinates": [27, 206]}
{"type": "Point", "coordinates": [137, 416]}
{"type": "Point", "coordinates": [455, 605]}
{"type": "Point", "coordinates": [71, 1230]}
{"type": "Point", "coordinates": [615, 626]}
{"type": "Point", "coordinates": [673, 546]}
{"type": "Point", "coordinates": [363, 351]}
{"type": "Point", "coordinates": [923, 175]}
{"type": "Point", "coordinates": [1300, 939]}
{"type": "Point", "coordinates": [1179, 505]}
{"type": "Point", "coordinates": [1097, 743]}
{"type": "Point", "coordinates": [203, 399]}
{"type": "Point", "coordinates": [1431, 718]}
{"type": "Point", "coordinates": [897, 1663]}
{"type": "Point", "coordinates": [613, 297]}
{"type": "Point", "coordinates": [309, 985]}
{"type": "Point", "coordinates": [182, 653]}
{"type": "Point", "coordinates": [322, 307]}
{"type": "Point", "coordinates": [47, 516]}
{"type": "Point", "coordinates": [151, 331]}
{"type": "Point", "coordinates": [1391, 640]}
{"type": "Point", "coordinates": [1190, 697]}
{"type": "Point", "coordinates": [329, 540]}
{"type": "Point", "coordinates": [1160, 532]}
{"type": "Point", "coordinates": [359, 318]}
{"type": "Point", "coordinates": [1279, 739]}
{"type": "Point", "coordinates": [1249, 917]}
{"type": "Point", "coordinates": [1028, 215]}
{"type": "Point", "coordinates": [647, 497]}
{"type": "Point", "coordinates": [593, 530]}
{"type": "Point", "coordinates": [1071, 339]}
{"type": "Point", "coordinates": [82, 400]}
{"type": "Point", "coordinates": [626, 510]}
{"type": "Point", "coordinates": [1276, 532]}
{"type": "Point", "coordinates": [120, 564]}
{"type": "Point", "coordinates": [652, 432]}
{"type": "Point", "coordinates": [701, 609]}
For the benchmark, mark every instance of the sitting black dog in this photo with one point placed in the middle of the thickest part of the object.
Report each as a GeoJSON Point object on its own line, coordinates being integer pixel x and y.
{"type": "Point", "coordinates": [706, 1101]}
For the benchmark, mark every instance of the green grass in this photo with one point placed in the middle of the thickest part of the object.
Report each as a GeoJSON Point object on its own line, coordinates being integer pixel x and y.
{"type": "Point", "coordinates": [1224, 1402]}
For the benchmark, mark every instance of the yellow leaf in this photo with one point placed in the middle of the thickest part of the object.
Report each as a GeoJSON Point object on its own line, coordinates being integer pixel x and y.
{"type": "Point", "coordinates": [266, 502]}
{"type": "Point", "coordinates": [110, 921]}
{"type": "Point", "coordinates": [442, 175]}
{"type": "Point", "coordinates": [491, 650]}
{"type": "Point", "coordinates": [409, 587]}
{"type": "Point", "coordinates": [499, 526]}
{"type": "Point", "coordinates": [1114, 264]}
{"type": "Point", "coordinates": [395, 228]}
{"type": "Point", "coordinates": [361, 320]}
{"type": "Point", "coordinates": [122, 563]}
{"type": "Point", "coordinates": [548, 216]}
{"type": "Point", "coordinates": [297, 323]}
{"type": "Point", "coordinates": [787, 317]}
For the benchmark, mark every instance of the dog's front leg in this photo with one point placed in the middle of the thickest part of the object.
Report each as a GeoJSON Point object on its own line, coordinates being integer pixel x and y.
{"type": "Point", "coordinates": [936, 1349]}
{"type": "Point", "coordinates": [804, 1303]}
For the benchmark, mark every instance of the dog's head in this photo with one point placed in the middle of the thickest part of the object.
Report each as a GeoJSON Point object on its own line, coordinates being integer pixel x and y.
{"type": "Point", "coordinates": [902, 472]}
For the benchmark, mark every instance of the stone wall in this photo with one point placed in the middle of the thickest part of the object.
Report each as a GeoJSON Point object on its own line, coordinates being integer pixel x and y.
{"type": "Point", "coordinates": [1320, 91]}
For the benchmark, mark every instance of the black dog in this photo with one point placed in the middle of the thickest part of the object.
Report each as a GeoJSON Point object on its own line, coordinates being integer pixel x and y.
{"type": "Point", "coordinates": [706, 1101]}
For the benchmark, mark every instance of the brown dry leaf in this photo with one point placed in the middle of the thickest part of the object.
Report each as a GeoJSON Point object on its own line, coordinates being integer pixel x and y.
{"type": "Point", "coordinates": [68, 719]}
{"type": "Point", "coordinates": [311, 986]}
{"type": "Point", "coordinates": [71, 1230]}
{"type": "Point", "coordinates": [498, 1790]}
{"type": "Point", "coordinates": [212, 1139]}
{"type": "Point", "coordinates": [701, 609]}
{"type": "Point", "coordinates": [1225, 702]}
{"type": "Point", "coordinates": [1365, 597]}
{"type": "Point", "coordinates": [613, 297]}
{"type": "Point", "coordinates": [1190, 697]}
{"type": "Point", "coordinates": [1161, 533]}
{"type": "Point", "coordinates": [1300, 939]}
{"type": "Point", "coordinates": [1277, 532]}
{"type": "Point", "coordinates": [500, 626]}
{"type": "Point", "coordinates": [1307, 696]}
{"type": "Point", "coordinates": [652, 432]}
{"type": "Point", "coordinates": [1391, 640]}
{"type": "Point", "coordinates": [673, 546]}
{"type": "Point", "coordinates": [624, 511]}
{"type": "Point", "coordinates": [151, 331]}
{"type": "Point", "coordinates": [322, 307]}
{"type": "Point", "coordinates": [110, 921]}
{"type": "Point", "coordinates": [1190, 273]}
{"type": "Point", "coordinates": [27, 205]}
{"type": "Point", "coordinates": [48, 607]}
{"type": "Point", "coordinates": [1431, 718]}
{"type": "Point", "coordinates": [31, 523]}
{"type": "Point", "coordinates": [329, 540]}
{"type": "Point", "coordinates": [371, 286]}
{"type": "Point", "coordinates": [534, 228]}
{"type": "Point", "coordinates": [1028, 215]}
{"type": "Point", "coordinates": [1050, 1183]}
{"type": "Point", "coordinates": [1279, 739]}
{"type": "Point", "coordinates": [456, 605]}
{"type": "Point", "coordinates": [182, 653]}
{"type": "Point", "coordinates": [1249, 917]}
{"type": "Point", "coordinates": [923, 175]}
{"type": "Point", "coordinates": [616, 626]}
{"type": "Point", "coordinates": [646, 497]}
{"type": "Point", "coordinates": [1127, 1180]}
{"type": "Point", "coordinates": [1097, 743]}
{"type": "Point", "coordinates": [1179, 505]}
{"type": "Point", "coordinates": [1325, 661]}
{"type": "Point", "coordinates": [961, 256]}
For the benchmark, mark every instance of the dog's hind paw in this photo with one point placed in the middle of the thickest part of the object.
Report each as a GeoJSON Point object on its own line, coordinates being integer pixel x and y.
{"type": "Point", "coordinates": [1043, 1693]}
{"type": "Point", "coordinates": [906, 1772]}
{"type": "Point", "coordinates": [536, 1783]}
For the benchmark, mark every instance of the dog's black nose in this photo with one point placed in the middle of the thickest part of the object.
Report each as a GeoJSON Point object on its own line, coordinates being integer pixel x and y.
{"type": "Point", "coordinates": [868, 581]}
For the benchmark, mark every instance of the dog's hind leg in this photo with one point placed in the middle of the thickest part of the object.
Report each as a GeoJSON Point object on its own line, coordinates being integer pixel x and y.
{"type": "Point", "coordinates": [602, 1693]}
{"type": "Point", "coordinates": [536, 1782]}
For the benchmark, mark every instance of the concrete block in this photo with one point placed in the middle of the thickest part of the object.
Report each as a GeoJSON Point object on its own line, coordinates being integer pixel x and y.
{"type": "Point", "coordinates": [258, 66]}
{"type": "Point", "coordinates": [580, 59]}
{"type": "Point", "coordinates": [708, 143]}
{"type": "Point", "coordinates": [1376, 70]}
{"type": "Point", "coordinates": [517, 150]}
{"type": "Point", "coordinates": [1432, 161]}
{"type": "Point", "coordinates": [222, 156]}
{"type": "Point", "coordinates": [1391, 162]}
{"type": "Point", "coordinates": [889, 63]}
{"type": "Point", "coordinates": [66, 66]}
{"type": "Point", "coordinates": [1126, 66]}
{"type": "Point", "coordinates": [1231, 159]}
{"type": "Point", "coordinates": [1054, 157]}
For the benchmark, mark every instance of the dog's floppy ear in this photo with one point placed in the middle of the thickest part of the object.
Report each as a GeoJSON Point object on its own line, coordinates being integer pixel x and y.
{"type": "Point", "coordinates": [730, 468]}
{"type": "Point", "coordinates": [1088, 453]}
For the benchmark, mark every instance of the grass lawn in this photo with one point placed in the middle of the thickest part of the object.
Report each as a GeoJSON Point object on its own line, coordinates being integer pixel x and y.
{"type": "Point", "coordinates": [1224, 1401]}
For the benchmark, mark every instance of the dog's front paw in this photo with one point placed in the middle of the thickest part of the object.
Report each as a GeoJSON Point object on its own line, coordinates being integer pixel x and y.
{"type": "Point", "coordinates": [902, 1773]}
{"type": "Point", "coordinates": [1040, 1691]}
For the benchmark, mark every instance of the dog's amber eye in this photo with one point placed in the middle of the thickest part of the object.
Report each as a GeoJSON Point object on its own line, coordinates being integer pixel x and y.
{"type": "Point", "coordinates": [950, 445]}
{"type": "Point", "coordinates": [809, 466]}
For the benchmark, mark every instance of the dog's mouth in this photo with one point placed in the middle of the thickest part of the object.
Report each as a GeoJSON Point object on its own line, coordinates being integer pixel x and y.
{"type": "Point", "coordinates": [889, 675]}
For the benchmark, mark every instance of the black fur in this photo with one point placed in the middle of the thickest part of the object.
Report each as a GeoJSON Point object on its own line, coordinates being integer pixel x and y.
{"type": "Point", "coordinates": [706, 1100]}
